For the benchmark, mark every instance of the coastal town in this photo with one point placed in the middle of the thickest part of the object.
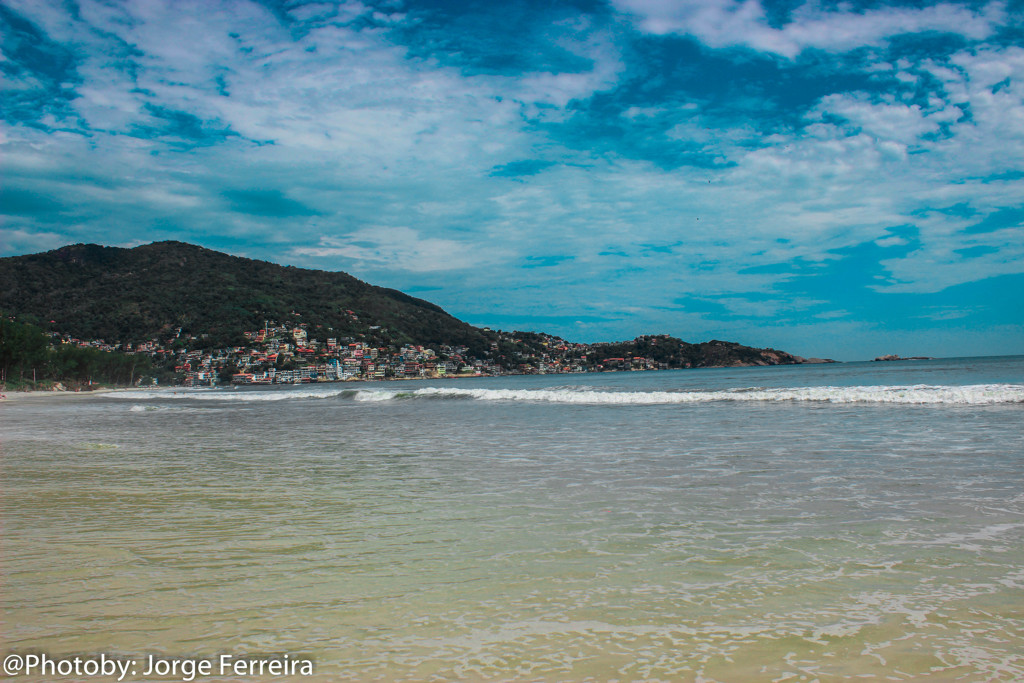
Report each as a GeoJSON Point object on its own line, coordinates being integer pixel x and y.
{"type": "Point", "coordinates": [32, 356]}
{"type": "Point", "coordinates": [280, 354]}
{"type": "Point", "coordinates": [179, 314]}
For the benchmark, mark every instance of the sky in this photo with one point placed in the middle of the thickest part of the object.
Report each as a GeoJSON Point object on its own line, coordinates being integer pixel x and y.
{"type": "Point", "coordinates": [834, 179]}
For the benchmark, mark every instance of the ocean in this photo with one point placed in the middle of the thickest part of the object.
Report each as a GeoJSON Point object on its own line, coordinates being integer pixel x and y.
{"type": "Point", "coordinates": [857, 521]}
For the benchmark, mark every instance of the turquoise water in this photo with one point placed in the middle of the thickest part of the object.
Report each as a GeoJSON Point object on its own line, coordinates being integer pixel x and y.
{"type": "Point", "coordinates": [838, 522]}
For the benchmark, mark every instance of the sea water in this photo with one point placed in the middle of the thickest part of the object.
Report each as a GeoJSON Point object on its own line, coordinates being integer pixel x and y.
{"type": "Point", "coordinates": [859, 521]}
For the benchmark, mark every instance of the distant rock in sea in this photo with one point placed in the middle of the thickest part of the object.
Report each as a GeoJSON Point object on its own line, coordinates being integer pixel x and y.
{"type": "Point", "coordinates": [893, 356]}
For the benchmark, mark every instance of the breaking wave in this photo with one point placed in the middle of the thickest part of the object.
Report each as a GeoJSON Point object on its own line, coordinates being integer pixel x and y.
{"type": "Point", "coordinates": [977, 394]}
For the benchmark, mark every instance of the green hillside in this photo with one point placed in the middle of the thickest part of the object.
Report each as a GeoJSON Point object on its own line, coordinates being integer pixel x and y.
{"type": "Point", "coordinates": [185, 297]}
{"type": "Point", "coordinates": [132, 295]}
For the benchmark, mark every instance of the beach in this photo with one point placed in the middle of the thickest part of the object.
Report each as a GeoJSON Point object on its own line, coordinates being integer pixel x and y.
{"type": "Point", "coordinates": [828, 522]}
{"type": "Point", "coordinates": [40, 394]}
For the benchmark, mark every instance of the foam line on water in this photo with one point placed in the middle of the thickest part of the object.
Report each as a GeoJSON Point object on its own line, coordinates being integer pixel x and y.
{"type": "Point", "coordinates": [284, 394]}
{"type": "Point", "coordinates": [979, 394]}
{"type": "Point", "coordinates": [976, 394]}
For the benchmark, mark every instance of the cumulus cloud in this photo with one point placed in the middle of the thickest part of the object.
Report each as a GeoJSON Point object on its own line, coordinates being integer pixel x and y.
{"type": "Point", "coordinates": [25, 240]}
{"type": "Point", "coordinates": [745, 23]}
{"type": "Point", "coordinates": [400, 248]}
{"type": "Point", "coordinates": [639, 170]}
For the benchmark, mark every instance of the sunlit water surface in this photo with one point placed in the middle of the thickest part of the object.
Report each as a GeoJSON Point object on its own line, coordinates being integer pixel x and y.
{"type": "Point", "coordinates": [862, 521]}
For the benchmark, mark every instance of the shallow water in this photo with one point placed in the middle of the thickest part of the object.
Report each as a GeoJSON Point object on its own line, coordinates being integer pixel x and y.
{"type": "Point", "coordinates": [754, 524]}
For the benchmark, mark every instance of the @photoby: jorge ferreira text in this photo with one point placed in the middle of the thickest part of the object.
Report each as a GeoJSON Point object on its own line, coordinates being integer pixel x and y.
{"type": "Point", "coordinates": [175, 668]}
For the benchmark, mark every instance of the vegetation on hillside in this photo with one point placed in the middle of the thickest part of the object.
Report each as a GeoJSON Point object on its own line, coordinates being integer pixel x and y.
{"type": "Point", "coordinates": [182, 299]}
{"type": "Point", "coordinates": [155, 290]}
{"type": "Point", "coordinates": [29, 361]}
{"type": "Point", "coordinates": [676, 353]}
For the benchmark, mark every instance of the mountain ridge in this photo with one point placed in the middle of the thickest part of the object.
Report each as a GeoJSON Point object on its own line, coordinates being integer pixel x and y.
{"type": "Point", "coordinates": [209, 298]}
{"type": "Point", "coordinates": [96, 291]}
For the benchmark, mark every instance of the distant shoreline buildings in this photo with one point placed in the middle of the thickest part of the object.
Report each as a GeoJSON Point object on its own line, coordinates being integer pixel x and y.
{"type": "Point", "coordinates": [279, 354]}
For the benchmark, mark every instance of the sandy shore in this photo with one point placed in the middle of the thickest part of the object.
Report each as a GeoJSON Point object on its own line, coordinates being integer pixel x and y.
{"type": "Point", "coordinates": [17, 395]}
{"type": "Point", "coordinates": [14, 396]}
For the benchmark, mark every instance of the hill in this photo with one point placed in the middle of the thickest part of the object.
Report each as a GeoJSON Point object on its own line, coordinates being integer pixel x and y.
{"type": "Point", "coordinates": [149, 292]}
{"type": "Point", "coordinates": [180, 297]}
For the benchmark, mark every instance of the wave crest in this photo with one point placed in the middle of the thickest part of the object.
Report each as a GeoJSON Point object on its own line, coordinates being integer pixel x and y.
{"type": "Point", "coordinates": [921, 394]}
{"type": "Point", "coordinates": [978, 394]}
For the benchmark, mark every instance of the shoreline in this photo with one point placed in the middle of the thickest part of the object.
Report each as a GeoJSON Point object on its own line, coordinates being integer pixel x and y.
{"type": "Point", "coordinates": [16, 395]}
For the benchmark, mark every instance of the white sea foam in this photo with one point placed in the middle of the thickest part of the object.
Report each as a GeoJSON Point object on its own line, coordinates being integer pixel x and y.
{"type": "Point", "coordinates": [985, 538]}
{"type": "Point", "coordinates": [282, 394]}
{"type": "Point", "coordinates": [976, 394]}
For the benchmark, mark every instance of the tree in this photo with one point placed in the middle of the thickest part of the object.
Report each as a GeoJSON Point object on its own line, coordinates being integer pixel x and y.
{"type": "Point", "coordinates": [225, 373]}
{"type": "Point", "coordinates": [22, 347]}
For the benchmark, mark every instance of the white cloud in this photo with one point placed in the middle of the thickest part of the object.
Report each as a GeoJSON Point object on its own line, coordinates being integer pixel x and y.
{"type": "Point", "coordinates": [892, 121]}
{"type": "Point", "coordinates": [21, 241]}
{"type": "Point", "coordinates": [894, 241]}
{"type": "Point", "coordinates": [727, 23]}
{"type": "Point", "coordinates": [937, 267]}
{"type": "Point", "coordinates": [399, 248]}
{"type": "Point", "coordinates": [393, 154]}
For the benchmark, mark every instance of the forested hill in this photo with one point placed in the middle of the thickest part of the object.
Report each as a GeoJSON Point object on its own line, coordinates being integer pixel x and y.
{"type": "Point", "coordinates": [185, 296]}
{"type": "Point", "coordinates": [131, 295]}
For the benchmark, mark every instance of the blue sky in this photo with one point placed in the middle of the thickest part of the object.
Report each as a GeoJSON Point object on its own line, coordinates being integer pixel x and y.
{"type": "Point", "coordinates": [839, 179]}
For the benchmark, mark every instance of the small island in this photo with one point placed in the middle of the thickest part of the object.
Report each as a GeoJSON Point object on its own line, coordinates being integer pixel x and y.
{"type": "Point", "coordinates": [893, 356]}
